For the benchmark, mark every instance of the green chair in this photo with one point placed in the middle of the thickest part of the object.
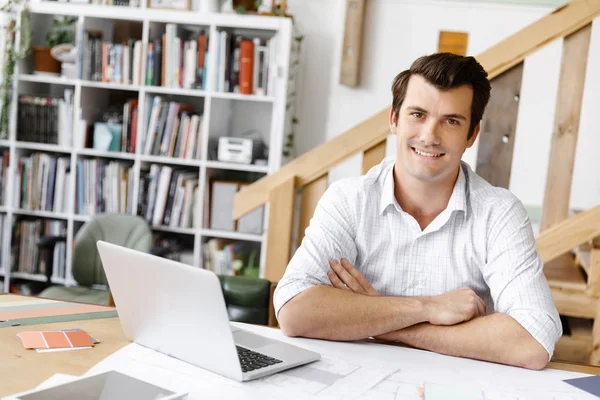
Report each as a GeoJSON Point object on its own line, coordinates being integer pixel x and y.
{"type": "Point", "coordinates": [120, 229]}
{"type": "Point", "coordinates": [247, 298]}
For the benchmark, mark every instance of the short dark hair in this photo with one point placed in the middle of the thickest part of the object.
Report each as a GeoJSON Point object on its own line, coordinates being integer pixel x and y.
{"type": "Point", "coordinates": [447, 71]}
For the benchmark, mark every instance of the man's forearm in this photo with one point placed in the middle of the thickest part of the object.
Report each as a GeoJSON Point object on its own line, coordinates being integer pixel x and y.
{"type": "Point", "coordinates": [324, 312]}
{"type": "Point", "coordinates": [495, 337]}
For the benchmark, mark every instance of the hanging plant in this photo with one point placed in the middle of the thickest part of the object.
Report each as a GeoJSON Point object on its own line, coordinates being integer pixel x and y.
{"type": "Point", "coordinates": [290, 107]}
{"type": "Point", "coordinates": [16, 10]}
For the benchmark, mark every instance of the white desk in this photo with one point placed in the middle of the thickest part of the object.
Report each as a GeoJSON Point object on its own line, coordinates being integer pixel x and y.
{"type": "Point", "coordinates": [348, 370]}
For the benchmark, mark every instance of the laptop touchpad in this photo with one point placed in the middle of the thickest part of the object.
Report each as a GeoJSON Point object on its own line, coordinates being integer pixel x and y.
{"type": "Point", "coordinates": [250, 340]}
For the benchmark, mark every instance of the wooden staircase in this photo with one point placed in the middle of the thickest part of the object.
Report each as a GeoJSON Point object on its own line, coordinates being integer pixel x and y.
{"type": "Point", "coordinates": [569, 247]}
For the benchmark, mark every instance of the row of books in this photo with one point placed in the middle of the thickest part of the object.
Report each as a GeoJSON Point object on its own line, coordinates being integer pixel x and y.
{"type": "Point", "coordinates": [231, 257]}
{"type": "Point", "coordinates": [42, 183]}
{"type": "Point", "coordinates": [104, 187]}
{"type": "Point", "coordinates": [172, 129]}
{"type": "Point", "coordinates": [178, 59]}
{"type": "Point", "coordinates": [244, 64]}
{"type": "Point", "coordinates": [46, 119]}
{"type": "Point", "coordinates": [104, 61]}
{"type": "Point", "coordinates": [27, 257]}
{"type": "Point", "coordinates": [168, 196]}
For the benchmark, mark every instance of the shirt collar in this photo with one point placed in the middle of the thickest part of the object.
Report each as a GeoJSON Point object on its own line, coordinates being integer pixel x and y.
{"type": "Point", "coordinates": [387, 194]}
{"type": "Point", "coordinates": [460, 193]}
{"type": "Point", "coordinates": [458, 199]}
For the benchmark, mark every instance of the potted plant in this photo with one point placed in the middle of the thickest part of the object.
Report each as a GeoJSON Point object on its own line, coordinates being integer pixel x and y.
{"type": "Point", "coordinates": [62, 31]}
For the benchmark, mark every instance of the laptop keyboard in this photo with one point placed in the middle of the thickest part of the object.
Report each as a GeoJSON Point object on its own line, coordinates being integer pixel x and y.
{"type": "Point", "coordinates": [251, 360]}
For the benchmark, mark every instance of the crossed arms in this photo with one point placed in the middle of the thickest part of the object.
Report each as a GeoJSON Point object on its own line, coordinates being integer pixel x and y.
{"type": "Point", "coordinates": [336, 302]}
{"type": "Point", "coordinates": [453, 323]}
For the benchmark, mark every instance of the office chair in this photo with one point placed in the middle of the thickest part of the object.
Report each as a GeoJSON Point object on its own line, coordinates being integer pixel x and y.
{"type": "Point", "coordinates": [120, 229]}
{"type": "Point", "coordinates": [247, 298]}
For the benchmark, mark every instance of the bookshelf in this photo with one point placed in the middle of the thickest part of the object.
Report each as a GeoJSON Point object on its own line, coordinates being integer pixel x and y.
{"type": "Point", "coordinates": [67, 202]}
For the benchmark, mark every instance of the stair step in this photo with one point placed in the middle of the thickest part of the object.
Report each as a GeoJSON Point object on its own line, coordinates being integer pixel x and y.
{"type": "Point", "coordinates": [564, 274]}
{"type": "Point", "coordinates": [573, 349]}
{"type": "Point", "coordinates": [577, 346]}
{"type": "Point", "coordinates": [580, 327]}
{"type": "Point", "coordinates": [575, 304]}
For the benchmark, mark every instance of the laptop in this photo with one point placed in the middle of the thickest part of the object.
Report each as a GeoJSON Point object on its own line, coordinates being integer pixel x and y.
{"type": "Point", "coordinates": [179, 310]}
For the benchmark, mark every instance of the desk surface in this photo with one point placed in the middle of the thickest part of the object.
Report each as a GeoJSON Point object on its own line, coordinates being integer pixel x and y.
{"type": "Point", "coordinates": [22, 369]}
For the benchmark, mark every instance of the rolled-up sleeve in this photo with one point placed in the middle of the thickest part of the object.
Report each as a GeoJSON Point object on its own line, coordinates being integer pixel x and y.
{"type": "Point", "coordinates": [330, 234]}
{"type": "Point", "coordinates": [514, 273]}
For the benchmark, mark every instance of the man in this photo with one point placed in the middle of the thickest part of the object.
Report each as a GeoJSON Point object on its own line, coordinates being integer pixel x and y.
{"type": "Point", "coordinates": [421, 250]}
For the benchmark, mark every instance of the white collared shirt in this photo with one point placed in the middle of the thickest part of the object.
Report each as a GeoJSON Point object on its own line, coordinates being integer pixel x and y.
{"type": "Point", "coordinates": [482, 240]}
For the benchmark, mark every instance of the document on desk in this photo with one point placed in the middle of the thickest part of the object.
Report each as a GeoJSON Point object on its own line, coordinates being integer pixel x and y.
{"type": "Point", "coordinates": [328, 378]}
{"type": "Point", "coordinates": [361, 371]}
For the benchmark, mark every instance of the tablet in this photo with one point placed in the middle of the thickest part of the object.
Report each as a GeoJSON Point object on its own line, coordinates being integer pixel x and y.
{"type": "Point", "coordinates": [111, 385]}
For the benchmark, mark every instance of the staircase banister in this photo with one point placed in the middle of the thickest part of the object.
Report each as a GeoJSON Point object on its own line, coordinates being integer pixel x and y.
{"type": "Point", "coordinates": [499, 58]}
{"type": "Point", "coordinates": [559, 23]}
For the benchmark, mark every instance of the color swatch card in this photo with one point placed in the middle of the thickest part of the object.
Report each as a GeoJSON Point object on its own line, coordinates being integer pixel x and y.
{"type": "Point", "coordinates": [55, 339]}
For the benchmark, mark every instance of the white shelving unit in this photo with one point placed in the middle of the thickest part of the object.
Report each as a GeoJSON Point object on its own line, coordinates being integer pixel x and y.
{"type": "Point", "coordinates": [223, 113]}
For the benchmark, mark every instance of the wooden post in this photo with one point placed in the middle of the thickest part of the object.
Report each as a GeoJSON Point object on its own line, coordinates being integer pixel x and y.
{"type": "Point", "coordinates": [311, 194]}
{"type": "Point", "coordinates": [594, 289]}
{"type": "Point", "coordinates": [279, 235]}
{"type": "Point", "coordinates": [272, 318]}
{"type": "Point", "coordinates": [497, 136]}
{"type": "Point", "coordinates": [566, 127]}
{"type": "Point", "coordinates": [351, 50]}
{"type": "Point", "coordinates": [595, 354]}
{"type": "Point", "coordinates": [373, 156]}
{"type": "Point", "coordinates": [594, 272]}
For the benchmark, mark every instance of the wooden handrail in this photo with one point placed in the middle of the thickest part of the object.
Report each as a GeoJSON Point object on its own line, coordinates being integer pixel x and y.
{"type": "Point", "coordinates": [568, 234]}
{"type": "Point", "coordinates": [560, 23]}
{"type": "Point", "coordinates": [496, 60]}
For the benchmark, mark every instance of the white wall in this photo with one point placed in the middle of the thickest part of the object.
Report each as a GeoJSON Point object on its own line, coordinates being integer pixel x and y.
{"type": "Point", "coordinates": [398, 31]}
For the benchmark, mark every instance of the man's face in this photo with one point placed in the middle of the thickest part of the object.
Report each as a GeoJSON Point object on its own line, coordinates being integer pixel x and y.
{"type": "Point", "coordinates": [431, 129]}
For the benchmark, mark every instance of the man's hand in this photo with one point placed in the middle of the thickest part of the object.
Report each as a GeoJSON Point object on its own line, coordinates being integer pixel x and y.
{"type": "Point", "coordinates": [344, 276]}
{"type": "Point", "coordinates": [450, 308]}
{"type": "Point", "coordinates": [454, 307]}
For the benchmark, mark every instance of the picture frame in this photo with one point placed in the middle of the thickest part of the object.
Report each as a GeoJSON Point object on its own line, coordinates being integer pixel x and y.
{"type": "Point", "coordinates": [180, 5]}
